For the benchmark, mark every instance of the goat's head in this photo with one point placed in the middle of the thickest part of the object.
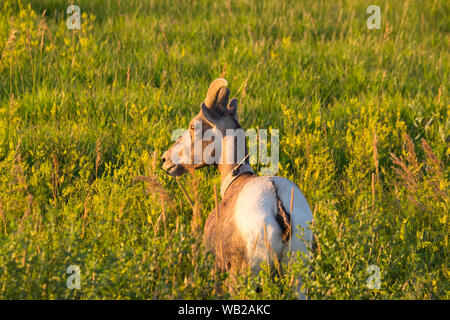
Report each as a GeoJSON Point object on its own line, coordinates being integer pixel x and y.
{"type": "Point", "coordinates": [200, 144]}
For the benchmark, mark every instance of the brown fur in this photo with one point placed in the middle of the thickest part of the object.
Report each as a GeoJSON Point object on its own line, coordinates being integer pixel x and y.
{"type": "Point", "coordinates": [221, 235]}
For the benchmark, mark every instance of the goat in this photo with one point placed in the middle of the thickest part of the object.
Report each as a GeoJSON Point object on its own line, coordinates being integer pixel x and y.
{"type": "Point", "coordinates": [254, 222]}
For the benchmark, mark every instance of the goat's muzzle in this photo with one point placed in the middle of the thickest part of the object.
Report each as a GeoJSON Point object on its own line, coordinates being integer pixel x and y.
{"type": "Point", "coordinates": [171, 168]}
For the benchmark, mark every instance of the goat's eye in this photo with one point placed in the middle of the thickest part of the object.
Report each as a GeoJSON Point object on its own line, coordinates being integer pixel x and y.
{"type": "Point", "coordinates": [192, 127]}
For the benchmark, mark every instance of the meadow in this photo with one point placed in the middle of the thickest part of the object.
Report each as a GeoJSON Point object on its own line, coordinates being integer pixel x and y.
{"type": "Point", "coordinates": [85, 114]}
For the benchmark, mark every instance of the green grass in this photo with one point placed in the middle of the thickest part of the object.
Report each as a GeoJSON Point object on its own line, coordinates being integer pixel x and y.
{"type": "Point", "coordinates": [364, 131]}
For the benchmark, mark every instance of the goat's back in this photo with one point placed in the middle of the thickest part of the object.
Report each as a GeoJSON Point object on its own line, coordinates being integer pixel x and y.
{"type": "Point", "coordinates": [248, 231]}
{"type": "Point", "coordinates": [255, 212]}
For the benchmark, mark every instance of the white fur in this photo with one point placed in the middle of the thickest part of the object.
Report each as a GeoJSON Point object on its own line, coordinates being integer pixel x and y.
{"type": "Point", "coordinates": [301, 215]}
{"type": "Point", "coordinates": [256, 206]}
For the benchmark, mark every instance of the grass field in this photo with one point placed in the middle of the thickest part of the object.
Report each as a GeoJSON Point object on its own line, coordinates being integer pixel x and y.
{"type": "Point", "coordinates": [85, 114]}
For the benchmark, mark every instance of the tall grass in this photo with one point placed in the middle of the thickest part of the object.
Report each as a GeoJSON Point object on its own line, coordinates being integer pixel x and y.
{"type": "Point", "coordinates": [363, 118]}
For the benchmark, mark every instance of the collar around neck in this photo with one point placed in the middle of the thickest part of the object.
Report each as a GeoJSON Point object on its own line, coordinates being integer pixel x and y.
{"type": "Point", "coordinates": [232, 175]}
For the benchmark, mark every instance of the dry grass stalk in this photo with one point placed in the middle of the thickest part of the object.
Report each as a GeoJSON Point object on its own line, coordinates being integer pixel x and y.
{"type": "Point", "coordinates": [9, 46]}
{"type": "Point", "coordinates": [122, 206]}
{"type": "Point", "coordinates": [165, 42]}
{"type": "Point", "coordinates": [221, 257]}
{"type": "Point", "coordinates": [271, 251]}
{"type": "Point", "coordinates": [409, 169]}
{"type": "Point", "coordinates": [98, 158]}
{"type": "Point", "coordinates": [411, 155]}
{"type": "Point", "coordinates": [411, 175]}
{"type": "Point", "coordinates": [42, 28]}
{"type": "Point", "coordinates": [30, 51]}
{"type": "Point", "coordinates": [27, 212]}
{"type": "Point", "coordinates": [433, 164]}
{"type": "Point", "coordinates": [19, 176]}
{"type": "Point", "coordinates": [18, 173]}
{"type": "Point", "coordinates": [405, 174]}
{"type": "Point", "coordinates": [228, 5]}
{"type": "Point", "coordinates": [196, 222]}
{"type": "Point", "coordinates": [177, 224]}
{"type": "Point", "coordinates": [435, 171]}
{"type": "Point", "coordinates": [55, 177]}
{"type": "Point", "coordinates": [256, 241]}
{"type": "Point", "coordinates": [387, 31]}
{"type": "Point", "coordinates": [224, 71]}
{"type": "Point", "coordinates": [216, 202]}
{"type": "Point", "coordinates": [85, 214]}
{"type": "Point", "coordinates": [373, 189]}
{"type": "Point", "coordinates": [154, 162]}
{"type": "Point", "coordinates": [375, 154]}
{"type": "Point", "coordinates": [156, 228]}
{"type": "Point", "coordinates": [128, 75]}
{"type": "Point", "coordinates": [291, 208]}
{"type": "Point", "coordinates": [243, 89]}
{"type": "Point", "coordinates": [163, 214]}
{"type": "Point", "coordinates": [439, 95]}
{"type": "Point", "coordinates": [153, 186]}
{"type": "Point", "coordinates": [3, 217]}
{"type": "Point", "coordinates": [183, 190]}
{"type": "Point", "coordinates": [316, 243]}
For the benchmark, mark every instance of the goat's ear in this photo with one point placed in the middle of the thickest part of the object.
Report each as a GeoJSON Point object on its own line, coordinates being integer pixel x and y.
{"type": "Point", "coordinates": [222, 99]}
{"type": "Point", "coordinates": [232, 108]}
{"type": "Point", "coordinates": [211, 115]}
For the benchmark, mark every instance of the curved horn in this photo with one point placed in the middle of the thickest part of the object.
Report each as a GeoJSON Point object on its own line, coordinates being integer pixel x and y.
{"type": "Point", "coordinates": [211, 95]}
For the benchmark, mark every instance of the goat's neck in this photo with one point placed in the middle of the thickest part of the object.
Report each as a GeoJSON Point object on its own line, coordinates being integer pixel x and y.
{"type": "Point", "coordinates": [229, 147]}
{"type": "Point", "coordinates": [224, 169]}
